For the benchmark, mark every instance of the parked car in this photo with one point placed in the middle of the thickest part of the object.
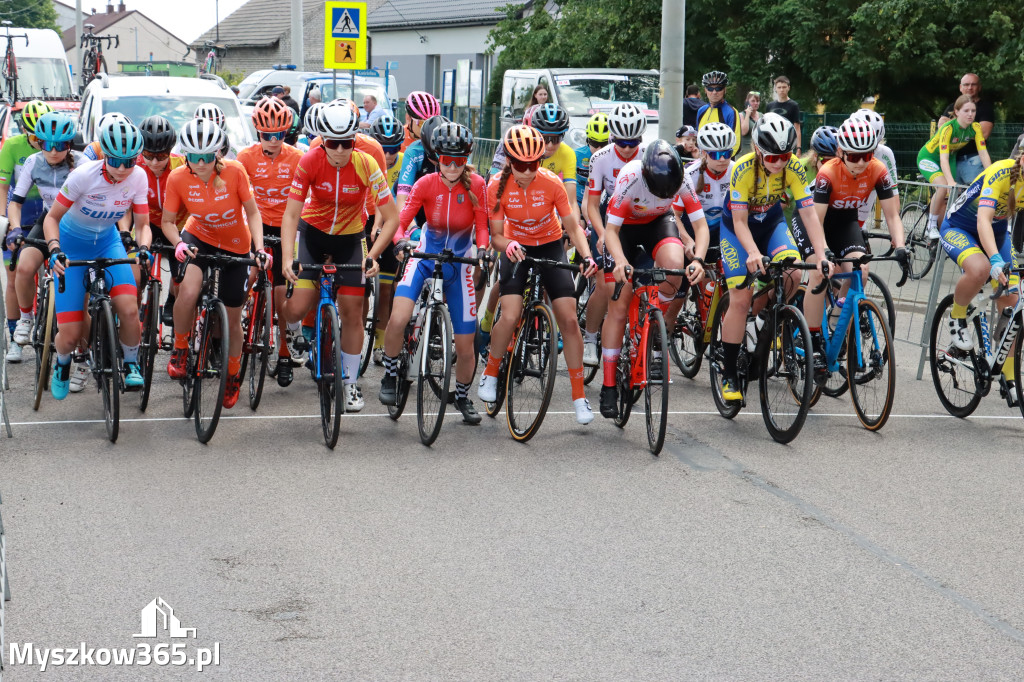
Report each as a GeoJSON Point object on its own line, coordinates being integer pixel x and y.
{"type": "Point", "coordinates": [174, 97]}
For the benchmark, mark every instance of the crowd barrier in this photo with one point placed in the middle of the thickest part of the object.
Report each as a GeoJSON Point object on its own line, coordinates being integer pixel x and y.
{"type": "Point", "coordinates": [5, 592]}
{"type": "Point", "coordinates": [4, 380]}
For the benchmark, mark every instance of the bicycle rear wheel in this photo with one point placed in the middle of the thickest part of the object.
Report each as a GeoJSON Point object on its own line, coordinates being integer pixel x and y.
{"type": "Point", "coordinates": [954, 371]}
{"type": "Point", "coordinates": [584, 289]}
{"type": "Point", "coordinates": [877, 290]}
{"type": "Point", "coordinates": [256, 353]}
{"type": "Point", "coordinates": [149, 312]}
{"type": "Point", "coordinates": [872, 367]}
{"type": "Point", "coordinates": [106, 367]}
{"type": "Point", "coordinates": [787, 371]}
{"type": "Point", "coordinates": [921, 249]}
{"type": "Point", "coordinates": [686, 343]}
{"type": "Point", "coordinates": [329, 386]}
{"type": "Point", "coordinates": [726, 408]}
{"type": "Point", "coordinates": [211, 371]}
{"type": "Point", "coordinates": [531, 372]}
{"type": "Point", "coordinates": [404, 359]}
{"type": "Point", "coordinates": [656, 389]}
{"type": "Point", "coordinates": [370, 322]}
{"type": "Point", "coordinates": [435, 374]}
{"type": "Point", "coordinates": [624, 382]}
{"type": "Point", "coordinates": [44, 329]}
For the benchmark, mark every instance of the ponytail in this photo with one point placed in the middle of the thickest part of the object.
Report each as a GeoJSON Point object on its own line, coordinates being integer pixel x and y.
{"type": "Point", "coordinates": [218, 168]}
{"type": "Point", "coordinates": [506, 172]}
{"type": "Point", "coordinates": [1011, 200]}
{"type": "Point", "coordinates": [700, 174]}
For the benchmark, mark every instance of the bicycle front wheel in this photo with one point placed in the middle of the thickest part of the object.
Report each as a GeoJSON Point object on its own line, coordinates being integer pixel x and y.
{"type": "Point", "coordinates": [686, 343]}
{"type": "Point", "coordinates": [107, 368]}
{"type": "Point", "coordinates": [954, 371]}
{"type": "Point", "coordinates": [211, 371]}
{"type": "Point", "coordinates": [435, 374]}
{"type": "Point", "coordinates": [149, 313]}
{"type": "Point", "coordinates": [370, 322]}
{"type": "Point", "coordinates": [726, 408]}
{"type": "Point", "coordinates": [584, 289]}
{"type": "Point", "coordinates": [787, 371]}
{"type": "Point", "coordinates": [656, 388]}
{"type": "Point", "coordinates": [395, 411]}
{"type": "Point", "coordinates": [531, 372]}
{"type": "Point", "coordinates": [257, 342]}
{"type": "Point", "coordinates": [44, 329]}
{"type": "Point", "coordinates": [330, 385]}
{"type": "Point", "coordinates": [871, 364]}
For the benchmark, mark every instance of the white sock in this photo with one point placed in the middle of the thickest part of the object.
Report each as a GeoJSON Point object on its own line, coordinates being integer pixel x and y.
{"type": "Point", "coordinates": [933, 221]}
{"type": "Point", "coordinates": [590, 337]}
{"type": "Point", "coordinates": [131, 353]}
{"type": "Point", "coordinates": [294, 326]}
{"type": "Point", "coordinates": [26, 316]}
{"type": "Point", "coordinates": [351, 365]}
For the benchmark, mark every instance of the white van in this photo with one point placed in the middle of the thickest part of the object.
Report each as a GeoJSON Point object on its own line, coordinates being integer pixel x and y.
{"type": "Point", "coordinates": [42, 67]}
{"type": "Point", "coordinates": [582, 93]}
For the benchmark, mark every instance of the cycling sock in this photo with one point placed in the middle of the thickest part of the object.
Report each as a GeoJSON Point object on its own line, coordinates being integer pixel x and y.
{"type": "Point", "coordinates": [933, 220]}
{"type": "Point", "coordinates": [180, 341]}
{"type": "Point", "coordinates": [610, 358]}
{"type": "Point", "coordinates": [576, 381]}
{"type": "Point", "coordinates": [462, 390]}
{"type": "Point", "coordinates": [131, 353]}
{"type": "Point", "coordinates": [590, 337]}
{"type": "Point", "coordinates": [26, 314]}
{"type": "Point", "coordinates": [487, 322]}
{"type": "Point", "coordinates": [390, 366]}
{"type": "Point", "coordinates": [731, 352]}
{"type": "Point", "coordinates": [351, 364]}
{"type": "Point", "coordinates": [665, 301]}
{"type": "Point", "coordinates": [11, 324]}
{"type": "Point", "coordinates": [64, 359]}
{"type": "Point", "coordinates": [234, 364]}
{"type": "Point", "coordinates": [493, 364]}
{"type": "Point", "coordinates": [1008, 368]}
{"type": "Point", "coordinates": [958, 312]}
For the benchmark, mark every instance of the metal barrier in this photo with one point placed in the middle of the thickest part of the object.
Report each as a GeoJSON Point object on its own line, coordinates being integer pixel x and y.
{"type": "Point", "coordinates": [483, 154]}
{"type": "Point", "coordinates": [4, 380]}
{"type": "Point", "coordinates": [5, 593]}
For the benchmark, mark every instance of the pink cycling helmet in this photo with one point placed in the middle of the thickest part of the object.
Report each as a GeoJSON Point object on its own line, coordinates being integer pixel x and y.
{"type": "Point", "coordinates": [422, 105]}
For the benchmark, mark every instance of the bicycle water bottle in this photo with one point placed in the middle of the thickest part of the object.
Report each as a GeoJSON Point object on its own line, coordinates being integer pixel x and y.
{"type": "Point", "coordinates": [754, 326]}
{"type": "Point", "coordinates": [1004, 319]}
{"type": "Point", "coordinates": [709, 292]}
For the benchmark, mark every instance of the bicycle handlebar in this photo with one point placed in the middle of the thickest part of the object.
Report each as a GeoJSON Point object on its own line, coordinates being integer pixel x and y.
{"type": "Point", "coordinates": [100, 263]}
{"type": "Point", "coordinates": [329, 268]}
{"type": "Point", "coordinates": [545, 262]}
{"type": "Point", "coordinates": [866, 258]}
{"type": "Point", "coordinates": [775, 269]}
{"type": "Point", "coordinates": [658, 275]}
{"type": "Point", "coordinates": [1008, 270]}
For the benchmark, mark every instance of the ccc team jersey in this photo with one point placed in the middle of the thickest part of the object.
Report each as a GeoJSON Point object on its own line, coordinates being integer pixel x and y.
{"type": "Point", "coordinates": [762, 198]}
{"type": "Point", "coordinates": [271, 179]}
{"type": "Point", "coordinates": [216, 215]}
{"type": "Point", "coordinates": [338, 196]}
{"type": "Point", "coordinates": [95, 202]}
{"type": "Point", "coordinates": [633, 204]}
{"type": "Point", "coordinates": [991, 189]}
{"type": "Point", "coordinates": [530, 215]}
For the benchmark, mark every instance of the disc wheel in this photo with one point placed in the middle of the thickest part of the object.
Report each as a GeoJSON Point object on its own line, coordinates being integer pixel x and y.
{"type": "Point", "coordinates": [786, 372]}
{"type": "Point", "coordinates": [656, 388]}
{"type": "Point", "coordinates": [872, 366]}
{"type": "Point", "coordinates": [954, 371]}
{"type": "Point", "coordinates": [330, 388]}
{"type": "Point", "coordinates": [211, 372]}
{"type": "Point", "coordinates": [149, 313]}
{"type": "Point", "coordinates": [435, 374]}
{"type": "Point", "coordinates": [531, 372]}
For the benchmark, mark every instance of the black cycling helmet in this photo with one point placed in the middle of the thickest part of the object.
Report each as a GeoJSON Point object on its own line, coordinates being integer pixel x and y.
{"type": "Point", "coordinates": [715, 78]}
{"type": "Point", "coordinates": [662, 169]}
{"type": "Point", "coordinates": [824, 142]}
{"type": "Point", "coordinates": [158, 135]}
{"type": "Point", "coordinates": [387, 130]}
{"type": "Point", "coordinates": [550, 119]}
{"type": "Point", "coordinates": [426, 130]}
{"type": "Point", "coordinates": [451, 139]}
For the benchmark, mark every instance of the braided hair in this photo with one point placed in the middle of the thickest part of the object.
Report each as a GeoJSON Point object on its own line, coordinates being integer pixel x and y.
{"type": "Point", "coordinates": [506, 172]}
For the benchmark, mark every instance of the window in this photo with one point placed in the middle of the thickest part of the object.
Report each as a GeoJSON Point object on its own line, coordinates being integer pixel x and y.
{"type": "Point", "coordinates": [522, 95]}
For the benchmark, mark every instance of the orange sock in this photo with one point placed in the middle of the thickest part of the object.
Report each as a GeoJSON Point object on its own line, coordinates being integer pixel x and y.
{"type": "Point", "coordinates": [234, 364]}
{"type": "Point", "coordinates": [493, 363]}
{"type": "Point", "coordinates": [576, 381]}
{"type": "Point", "coordinates": [180, 340]}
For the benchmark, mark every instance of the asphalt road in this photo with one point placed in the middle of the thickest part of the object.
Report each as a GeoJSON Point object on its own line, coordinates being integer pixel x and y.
{"type": "Point", "coordinates": [846, 555]}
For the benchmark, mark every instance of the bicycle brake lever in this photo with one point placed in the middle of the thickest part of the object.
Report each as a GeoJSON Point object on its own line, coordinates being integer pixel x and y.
{"type": "Point", "coordinates": [620, 285]}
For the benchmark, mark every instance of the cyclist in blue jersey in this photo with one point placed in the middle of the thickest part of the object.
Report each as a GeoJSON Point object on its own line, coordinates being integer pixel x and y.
{"type": "Point", "coordinates": [717, 109]}
{"type": "Point", "coordinates": [419, 160]}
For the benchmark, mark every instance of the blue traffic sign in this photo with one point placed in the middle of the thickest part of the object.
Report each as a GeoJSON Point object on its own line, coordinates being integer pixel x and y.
{"type": "Point", "coordinates": [345, 22]}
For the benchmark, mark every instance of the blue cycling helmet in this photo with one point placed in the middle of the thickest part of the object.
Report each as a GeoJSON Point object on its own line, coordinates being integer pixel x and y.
{"type": "Point", "coordinates": [54, 127]}
{"type": "Point", "coordinates": [550, 119]}
{"type": "Point", "coordinates": [120, 139]}
{"type": "Point", "coordinates": [824, 141]}
{"type": "Point", "coordinates": [388, 131]}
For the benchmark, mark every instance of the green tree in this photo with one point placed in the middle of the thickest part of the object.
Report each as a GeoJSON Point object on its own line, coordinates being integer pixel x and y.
{"type": "Point", "coordinates": [29, 13]}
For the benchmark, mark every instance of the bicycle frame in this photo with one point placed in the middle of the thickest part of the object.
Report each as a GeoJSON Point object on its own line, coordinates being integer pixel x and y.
{"type": "Point", "coordinates": [833, 340]}
{"type": "Point", "coordinates": [326, 299]}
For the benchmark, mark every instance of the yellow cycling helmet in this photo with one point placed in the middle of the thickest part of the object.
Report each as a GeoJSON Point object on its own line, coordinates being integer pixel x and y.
{"type": "Point", "coordinates": [32, 112]}
{"type": "Point", "coordinates": [597, 128]}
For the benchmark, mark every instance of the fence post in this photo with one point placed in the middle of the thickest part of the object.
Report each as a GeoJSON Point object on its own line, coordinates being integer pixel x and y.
{"type": "Point", "coordinates": [933, 293]}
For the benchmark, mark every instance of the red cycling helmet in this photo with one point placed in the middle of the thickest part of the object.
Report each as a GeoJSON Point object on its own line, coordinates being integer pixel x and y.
{"type": "Point", "coordinates": [271, 115]}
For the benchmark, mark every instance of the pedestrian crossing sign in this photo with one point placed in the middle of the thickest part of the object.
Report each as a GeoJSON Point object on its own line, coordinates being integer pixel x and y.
{"type": "Point", "coordinates": [345, 35]}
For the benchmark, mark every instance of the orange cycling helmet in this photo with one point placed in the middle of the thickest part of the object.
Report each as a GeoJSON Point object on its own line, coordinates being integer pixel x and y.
{"type": "Point", "coordinates": [271, 115]}
{"type": "Point", "coordinates": [524, 143]}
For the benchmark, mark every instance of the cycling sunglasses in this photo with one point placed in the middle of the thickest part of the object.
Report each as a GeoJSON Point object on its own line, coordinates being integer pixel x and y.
{"type": "Point", "coordinates": [720, 156]}
{"type": "Point", "coordinates": [115, 162]}
{"type": "Point", "coordinates": [56, 146]}
{"type": "Point", "coordinates": [392, 148]}
{"type": "Point", "coordinates": [204, 158]}
{"type": "Point", "coordinates": [597, 145]}
{"type": "Point", "coordinates": [714, 88]}
{"type": "Point", "coordinates": [554, 139]}
{"type": "Point", "coordinates": [456, 161]}
{"type": "Point", "coordinates": [156, 156]}
{"type": "Point", "coordinates": [344, 144]}
{"type": "Point", "coordinates": [778, 158]}
{"type": "Point", "coordinates": [525, 166]}
{"type": "Point", "coordinates": [267, 137]}
{"type": "Point", "coordinates": [629, 144]}
{"type": "Point", "coordinates": [857, 158]}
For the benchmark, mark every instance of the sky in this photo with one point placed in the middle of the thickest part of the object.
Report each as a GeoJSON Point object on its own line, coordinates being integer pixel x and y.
{"type": "Point", "coordinates": [186, 19]}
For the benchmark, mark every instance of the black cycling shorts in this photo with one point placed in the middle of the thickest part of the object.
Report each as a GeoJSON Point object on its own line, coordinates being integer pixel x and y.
{"type": "Point", "coordinates": [387, 259]}
{"type": "Point", "coordinates": [640, 243]}
{"type": "Point", "coordinates": [557, 282]}
{"type": "Point", "coordinates": [233, 278]}
{"type": "Point", "coordinates": [843, 235]}
{"type": "Point", "coordinates": [316, 246]}
{"type": "Point", "coordinates": [275, 252]}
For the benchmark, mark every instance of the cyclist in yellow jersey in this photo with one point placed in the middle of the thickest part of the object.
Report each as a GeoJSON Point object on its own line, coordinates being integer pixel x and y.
{"type": "Point", "coordinates": [717, 109]}
{"type": "Point", "coordinates": [553, 122]}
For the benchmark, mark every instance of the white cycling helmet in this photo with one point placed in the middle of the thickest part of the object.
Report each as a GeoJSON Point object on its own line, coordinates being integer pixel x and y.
{"type": "Point", "coordinates": [212, 112]}
{"type": "Point", "coordinates": [336, 121]}
{"type": "Point", "coordinates": [874, 118]}
{"type": "Point", "coordinates": [774, 134]}
{"type": "Point", "coordinates": [856, 135]}
{"type": "Point", "coordinates": [201, 136]}
{"type": "Point", "coordinates": [716, 137]}
{"type": "Point", "coordinates": [309, 120]}
{"type": "Point", "coordinates": [627, 122]}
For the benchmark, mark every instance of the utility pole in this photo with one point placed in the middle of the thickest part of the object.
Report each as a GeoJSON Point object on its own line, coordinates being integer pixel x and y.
{"type": "Point", "coordinates": [78, 38]}
{"type": "Point", "coordinates": [298, 39]}
{"type": "Point", "coordinates": [673, 35]}
{"type": "Point", "coordinates": [216, 10]}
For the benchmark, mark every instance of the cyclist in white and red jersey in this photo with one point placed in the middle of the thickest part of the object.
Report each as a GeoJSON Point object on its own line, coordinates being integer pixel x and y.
{"type": "Point", "coordinates": [641, 225]}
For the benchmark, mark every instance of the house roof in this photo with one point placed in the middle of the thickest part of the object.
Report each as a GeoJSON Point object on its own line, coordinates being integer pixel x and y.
{"type": "Point", "coordinates": [399, 14]}
{"type": "Point", "coordinates": [259, 23]}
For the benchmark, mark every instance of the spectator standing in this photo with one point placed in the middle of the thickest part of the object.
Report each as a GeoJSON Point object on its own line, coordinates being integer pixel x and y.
{"type": "Point", "coordinates": [373, 112]}
{"type": "Point", "coordinates": [284, 93]}
{"type": "Point", "coordinates": [749, 117]}
{"type": "Point", "coordinates": [691, 105]}
{"type": "Point", "coordinates": [717, 109]}
{"type": "Point", "coordinates": [540, 95]}
{"type": "Point", "coordinates": [968, 162]}
{"type": "Point", "coordinates": [787, 108]}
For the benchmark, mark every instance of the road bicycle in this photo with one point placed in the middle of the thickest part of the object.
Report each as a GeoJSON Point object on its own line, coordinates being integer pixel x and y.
{"type": "Point", "coordinates": [44, 320]}
{"type": "Point", "coordinates": [779, 356]}
{"type": "Point", "coordinates": [214, 53]}
{"type": "Point", "coordinates": [369, 321]}
{"type": "Point", "coordinates": [643, 363]}
{"type": "Point", "coordinates": [93, 61]}
{"type": "Point", "coordinates": [427, 353]}
{"type": "Point", "coordinates": [258, 330]}
{"type": "Point", "coordinates": [206, 374]}
{"type": "Point", "coordinates": [691, 332]}
{"type": "Point", "coordinates": [585, 287]}
{"type": "Point", "coordinates": [963, 377]}
{"type": "Point", "coordinates": [105, 355]}
{"type": "Point", "coordinates": [9, 68]}
{"type": "Point", "coordinates": [526, 377]}
{"type": "Point", "coordinates": [151, 314]}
